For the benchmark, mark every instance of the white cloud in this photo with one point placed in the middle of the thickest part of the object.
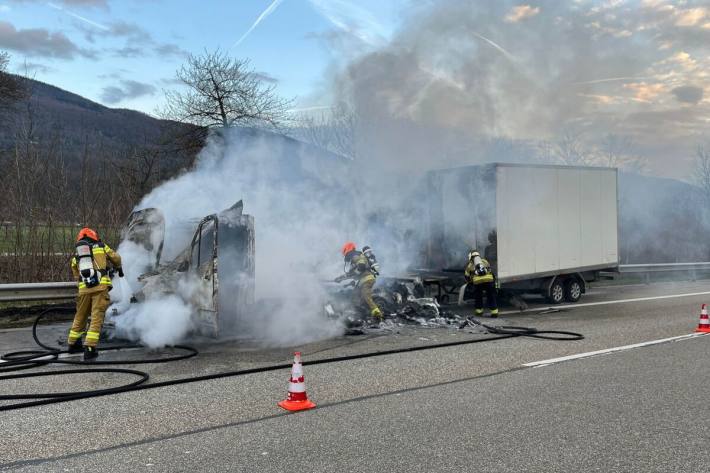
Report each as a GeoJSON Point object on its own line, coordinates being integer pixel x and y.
{"type": "Point", "coordinates": [4, 8]}
{"type": "Point", "coordinates": [644, 92]}
{"type": "Point", "coordinates": [685, 60]}
{"type": "Point", "coordinates": [521, 12]}
{"type": "Point", "coordinates": [691, 17]}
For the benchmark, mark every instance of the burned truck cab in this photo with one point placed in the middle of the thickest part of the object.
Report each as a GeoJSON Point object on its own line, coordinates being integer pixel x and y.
{"type": "Point", "coordinates": [214, 274]}
{"type": "Point", "coordinates": [221, 257]}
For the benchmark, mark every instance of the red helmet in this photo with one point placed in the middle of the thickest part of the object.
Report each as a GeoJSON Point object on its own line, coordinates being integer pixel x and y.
{"type": "Point", "coordinates": [348, 247]}
{"type": "Point", "coordinates": [87, 232]}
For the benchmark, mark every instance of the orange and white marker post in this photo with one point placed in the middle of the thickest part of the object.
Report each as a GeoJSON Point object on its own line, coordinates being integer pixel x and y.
{"type": "Point", "coordinates": [704, 324]}
{"type": "Point", "coordinates": [297, 399]}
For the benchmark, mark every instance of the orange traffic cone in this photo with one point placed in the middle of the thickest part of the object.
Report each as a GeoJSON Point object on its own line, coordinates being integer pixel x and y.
{"type": "Point", "coordinates": [704, 324]}
{"type": "Point", "coordinates": [297, 399]}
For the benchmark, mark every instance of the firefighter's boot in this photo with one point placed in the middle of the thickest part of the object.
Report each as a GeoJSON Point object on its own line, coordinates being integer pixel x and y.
{"type": "Point", "coordinates": [90, 353]}
{"type": "Point", "coordinates": [75, 347]}
{"type": "Point", "coordinates": [376, 313]}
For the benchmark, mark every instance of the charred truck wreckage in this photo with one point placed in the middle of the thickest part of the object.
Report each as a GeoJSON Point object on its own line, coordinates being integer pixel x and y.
{"type": "Point", "coordinates": [486, 208]}
{"type": "Point", "coordinates": [214, 274]}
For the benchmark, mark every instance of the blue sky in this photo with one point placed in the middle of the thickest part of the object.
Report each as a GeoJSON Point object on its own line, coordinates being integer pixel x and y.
{"type": "Point", "coordinates": [123, 53]}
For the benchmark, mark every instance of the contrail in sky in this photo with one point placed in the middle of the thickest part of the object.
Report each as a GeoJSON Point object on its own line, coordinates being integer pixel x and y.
{"type": "Point", "coordinates": [498, 47]}
{"type": "Point", "coordinates": [612, 79]}
{"type": "Point", "coordinates": [355, 20]}
{"type": "Point", "coordinates": [78, 17]}
{"type": "Point", "coordinates": [309, 109]}
{"type": "Point", "coordinates": [274, 5]}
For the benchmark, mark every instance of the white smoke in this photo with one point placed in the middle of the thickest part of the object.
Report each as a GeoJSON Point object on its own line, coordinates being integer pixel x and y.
{"type": "Point", "coordinates": [456, 73]}
{"type": "Point", "coordinates": [156, 322]}
{"type": "Point", "coordinates": [306, 204]}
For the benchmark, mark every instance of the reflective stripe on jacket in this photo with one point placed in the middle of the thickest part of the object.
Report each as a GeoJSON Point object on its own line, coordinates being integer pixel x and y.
{"type": "Point", "coordinates": [103, 254]}
{"type": "Point", "coordinates": [360, 269]}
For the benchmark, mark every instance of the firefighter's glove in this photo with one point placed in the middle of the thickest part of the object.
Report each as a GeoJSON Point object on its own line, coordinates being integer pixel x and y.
{"type": "Point", "coordinates": [120, 271]}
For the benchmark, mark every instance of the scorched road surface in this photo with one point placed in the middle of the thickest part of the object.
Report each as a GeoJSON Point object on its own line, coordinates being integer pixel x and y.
{"type": "Point", "coordinates": [467, 408]}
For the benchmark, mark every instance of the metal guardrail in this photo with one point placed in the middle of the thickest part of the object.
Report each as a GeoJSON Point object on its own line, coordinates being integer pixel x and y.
{"type": "Point", "coordinates": [68, 290]}
{"type": "Point", "coordinates": [663, 267]}
{"type": "Point", "coordinates": [38, 291]}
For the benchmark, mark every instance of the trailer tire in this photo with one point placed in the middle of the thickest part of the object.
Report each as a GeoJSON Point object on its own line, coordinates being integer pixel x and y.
{"type": "Point", "coordinates": [556, 293]}
{"type": "Point", "coordinates": [573, 290]}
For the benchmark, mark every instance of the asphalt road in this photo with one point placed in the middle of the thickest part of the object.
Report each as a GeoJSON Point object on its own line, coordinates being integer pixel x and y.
{"type": "Point", "coordinates": [466, 408]}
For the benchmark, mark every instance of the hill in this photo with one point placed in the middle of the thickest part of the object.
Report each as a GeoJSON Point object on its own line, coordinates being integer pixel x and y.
{"type": "Point", "coordinates": [56, 113]}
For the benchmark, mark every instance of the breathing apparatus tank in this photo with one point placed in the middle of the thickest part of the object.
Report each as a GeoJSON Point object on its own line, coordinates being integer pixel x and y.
{"type": "Point", "coordinates": [372, 260]}
{"type": "Point", "coordinates": [85, 263]}
{"type": "Point", "coordinates": [480, 268]}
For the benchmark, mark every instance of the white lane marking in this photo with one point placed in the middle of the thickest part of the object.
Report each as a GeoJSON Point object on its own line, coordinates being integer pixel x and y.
{"type": "Point", "coordinates": [592, 304]}
{"type": "Point", "coordinates": [538, 364]}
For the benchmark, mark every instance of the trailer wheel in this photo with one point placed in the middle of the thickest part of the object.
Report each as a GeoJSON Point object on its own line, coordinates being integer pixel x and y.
{"type": "Point", "coordinates": [573, 290]}
{"type": "Point", "coordinates": [556, 294]}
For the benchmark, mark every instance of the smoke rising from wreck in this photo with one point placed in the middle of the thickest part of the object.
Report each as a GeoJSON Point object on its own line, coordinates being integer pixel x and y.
{"type": "Point", "coordinates": [464, 82]}
{"type": "Point", "coordinates": [306, 203]}
{"type": "Point", "coordinates": [460, 83]}
{"type": "Point", "coordinates": [459, 74]}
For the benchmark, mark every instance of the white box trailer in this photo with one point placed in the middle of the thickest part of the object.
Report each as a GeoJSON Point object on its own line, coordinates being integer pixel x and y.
{"type": "Point", "coordinates": [547, 229]}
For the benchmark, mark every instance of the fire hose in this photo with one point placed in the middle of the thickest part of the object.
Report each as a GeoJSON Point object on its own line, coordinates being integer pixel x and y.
{"type": "Point", "coordinates": [27, 359]}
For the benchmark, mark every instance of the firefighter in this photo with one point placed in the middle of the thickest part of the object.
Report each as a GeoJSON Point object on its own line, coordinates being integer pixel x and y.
{"type": "Point", "coordinates": [90, 267]}
{"type": "Point", "coordinates": [360, 269]}
{"type": "Point", "coordinates": [480, 274]}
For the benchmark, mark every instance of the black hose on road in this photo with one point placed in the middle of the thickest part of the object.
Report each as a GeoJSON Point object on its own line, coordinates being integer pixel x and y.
{"type": "Point", "coordinates": [143, 378]}
{"type": "Point", "coordinates": [27, 359]}
{"type": "Point", "coordinates": [33, 358]}
{"type": "Point", "coordinates": [530, 332]}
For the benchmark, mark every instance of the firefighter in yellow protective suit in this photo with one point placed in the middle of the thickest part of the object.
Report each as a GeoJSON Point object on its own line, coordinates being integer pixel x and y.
{"type": "Point", "coordinates": [90, 267]}
{"type": "Point", "coordinates": [360, 270]}
{"type": "Point", "coordinates": [480, 274]}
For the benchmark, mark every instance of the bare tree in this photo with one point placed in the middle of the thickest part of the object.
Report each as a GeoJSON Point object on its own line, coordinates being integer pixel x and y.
{"type": "Point", "coordinates": [138, 171]}
{"type": "Point", "coordinates": [701, 173]}
{"type": "Point", "coordinates": [544, 152]}
{"type": "Point", "coordinates": [335, 130]}
{"type": "Point", "coordinates": [615, 149]}
{"type": "Point", "coordinates": [12, 87]}
{"type": "Point", "coordinates": [568, 148]}
{"type": "Point", "coordinates": [223, 92]}
{"type": "Point", "coordinates": [571, 148]}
